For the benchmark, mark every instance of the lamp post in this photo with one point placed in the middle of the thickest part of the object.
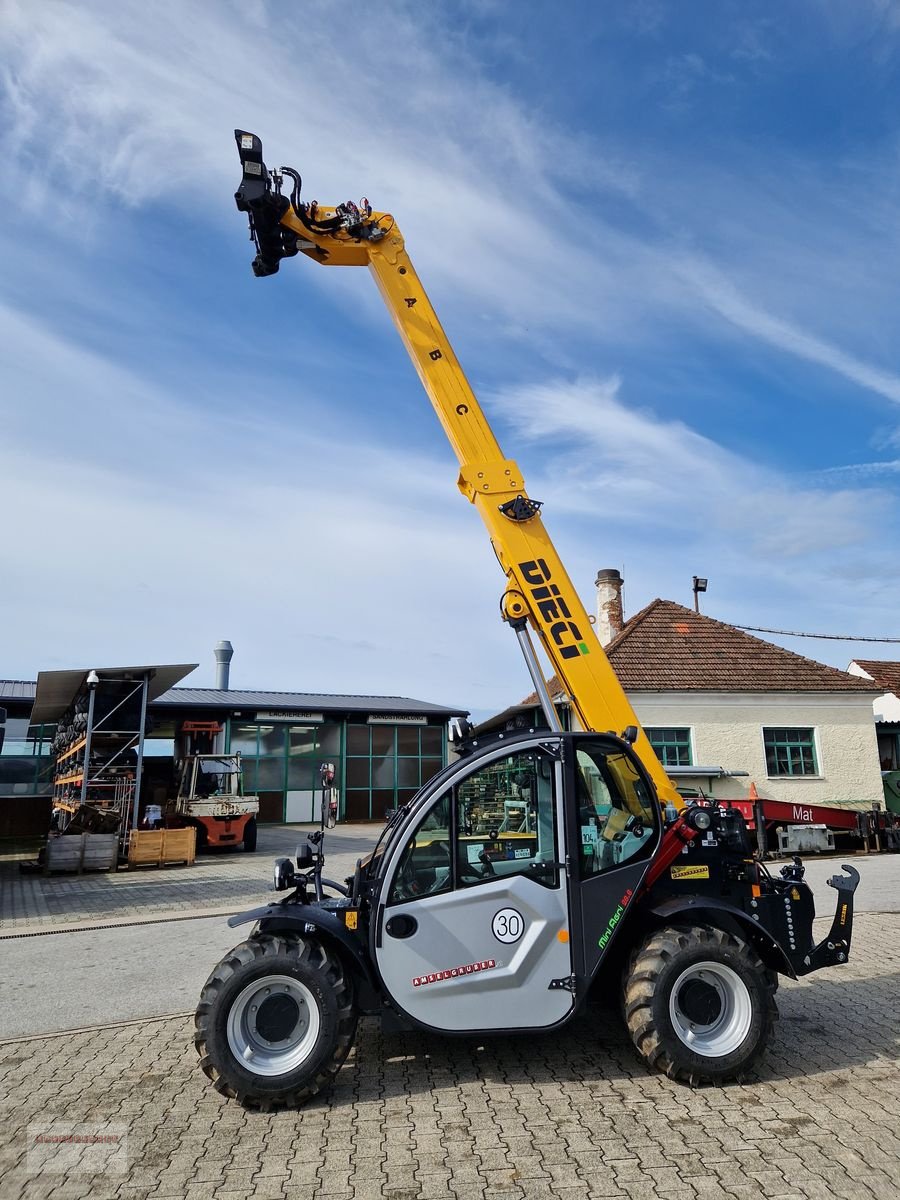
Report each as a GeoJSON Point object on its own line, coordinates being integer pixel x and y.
{"type": "Point", "coordinates": [92, 681]}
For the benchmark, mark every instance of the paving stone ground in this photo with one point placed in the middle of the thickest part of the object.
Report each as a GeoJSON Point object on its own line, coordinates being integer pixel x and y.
{"type": "Point", "coordinates": [417, 1117]}
{"type": "Point", "coordinates": [228, 880]}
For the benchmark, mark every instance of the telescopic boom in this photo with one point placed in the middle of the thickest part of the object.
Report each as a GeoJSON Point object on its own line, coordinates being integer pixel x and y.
{"type": "Point", "coordinates": [538, 592]}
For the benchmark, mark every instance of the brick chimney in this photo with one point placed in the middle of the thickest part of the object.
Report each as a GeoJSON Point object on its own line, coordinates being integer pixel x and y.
{"type": "Point", "coordinates": [610, 620]}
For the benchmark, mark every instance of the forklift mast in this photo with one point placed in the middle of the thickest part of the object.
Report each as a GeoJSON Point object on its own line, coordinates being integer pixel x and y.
{"type": "Point", "coordinates": [538, 594]}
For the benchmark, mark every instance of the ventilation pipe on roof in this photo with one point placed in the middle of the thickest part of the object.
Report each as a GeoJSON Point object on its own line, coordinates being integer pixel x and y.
{"type": "Point", "coordinates": [223, 652]}
{"type": "Point", "coordinates": [610, 619]}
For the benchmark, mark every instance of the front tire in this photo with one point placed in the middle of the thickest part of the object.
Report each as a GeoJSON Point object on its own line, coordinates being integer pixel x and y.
{"type": "Point", "coordinates": [699, 1004]}
{"type": "Point", "coordinates": [275, 1021]}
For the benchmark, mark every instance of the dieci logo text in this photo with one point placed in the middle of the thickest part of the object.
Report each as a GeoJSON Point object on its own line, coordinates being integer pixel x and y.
{"type": "Point", "coordinates": [553, 608]}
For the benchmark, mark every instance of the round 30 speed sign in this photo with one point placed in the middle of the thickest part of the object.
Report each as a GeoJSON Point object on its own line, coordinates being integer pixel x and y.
{"type": "Point", "coordinates": [508, 925]}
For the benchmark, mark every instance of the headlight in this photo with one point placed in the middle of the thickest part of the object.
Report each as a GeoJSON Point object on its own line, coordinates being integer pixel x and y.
{"type": "Point", "coordinates": [284, 874]}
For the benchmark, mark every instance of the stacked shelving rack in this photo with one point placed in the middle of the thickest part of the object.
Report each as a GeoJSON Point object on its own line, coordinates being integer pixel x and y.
{"type": "Point", "coordinates": [102, 720]}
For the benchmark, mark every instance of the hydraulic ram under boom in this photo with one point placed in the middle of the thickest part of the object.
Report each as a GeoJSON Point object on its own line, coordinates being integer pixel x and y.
{"type": "Point", "coordinates": [538, 590]}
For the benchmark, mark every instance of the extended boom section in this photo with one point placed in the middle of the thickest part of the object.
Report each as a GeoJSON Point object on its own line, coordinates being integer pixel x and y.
{"type": "Point", "coordinates": [538, 590]}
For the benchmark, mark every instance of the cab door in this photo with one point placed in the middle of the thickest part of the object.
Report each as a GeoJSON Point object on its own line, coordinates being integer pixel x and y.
{"type": "Point", "coordinates": [472, 931]}
{"type": "Point", "coordinates": [614, 835]}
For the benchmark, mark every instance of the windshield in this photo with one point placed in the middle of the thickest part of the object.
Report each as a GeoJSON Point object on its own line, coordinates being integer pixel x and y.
{"type": "Point", "coordinates": [217, 777]}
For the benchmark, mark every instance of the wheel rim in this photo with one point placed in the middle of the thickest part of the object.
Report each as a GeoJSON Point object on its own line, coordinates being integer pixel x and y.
{"type": "Point", "coordinates": [711, 1009]}
{"type": "Point", "coordinates": [273, 1025]}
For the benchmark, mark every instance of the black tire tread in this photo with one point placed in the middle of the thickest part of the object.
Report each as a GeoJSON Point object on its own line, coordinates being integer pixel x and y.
{"type": "Point", "coordinates": [642, 974]}
{"type": "Point", "coordinates": [255, 948]}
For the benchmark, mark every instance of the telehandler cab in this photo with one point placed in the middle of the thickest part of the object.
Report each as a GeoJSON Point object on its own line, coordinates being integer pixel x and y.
{"type": "Point", "coordinates": [538, 868]}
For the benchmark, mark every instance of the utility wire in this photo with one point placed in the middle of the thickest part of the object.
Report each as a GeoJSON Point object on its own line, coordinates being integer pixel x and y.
{"type": "Point", "coordinates": [830, 637]}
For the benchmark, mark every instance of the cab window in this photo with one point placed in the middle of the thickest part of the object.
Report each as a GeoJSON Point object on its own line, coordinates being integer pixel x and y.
{"type": "Point", "coordinates": [425, 866]}
{"type": "Point", "coordinates": [617, 815]}
{"type": "Point", "coordinates": [505, 821]}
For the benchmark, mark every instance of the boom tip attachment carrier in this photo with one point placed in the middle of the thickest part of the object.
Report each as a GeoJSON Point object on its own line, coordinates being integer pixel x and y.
{"type": "Point", "coordinates": [259, 195]}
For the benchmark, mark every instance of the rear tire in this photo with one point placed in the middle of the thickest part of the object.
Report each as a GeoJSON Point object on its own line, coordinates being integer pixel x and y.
{"type": "Point", "coordinates": [276, 1020]}
{"type": "Point", "coordinates": [249, 842]}
{"type": "Point", "coordinates": [699, 1004]}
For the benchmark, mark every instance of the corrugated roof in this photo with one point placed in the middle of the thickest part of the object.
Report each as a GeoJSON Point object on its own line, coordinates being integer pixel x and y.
{"type": "Point", "coordinates": [885, 674]}
{"type": "Point", "coordinates": [57, 689]}
{"type": "Point", "coordinates": [669, 648]}
{"type": "Point", "coordinates": [305, 701]}
{"type": "Point", "coordinates": [17, 689]}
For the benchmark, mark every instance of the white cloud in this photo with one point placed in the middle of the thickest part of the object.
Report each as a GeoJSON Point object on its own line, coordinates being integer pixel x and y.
{"type": "Point", "coordinates": [724, 299]}
{"type": "Point", "coordinates": [138, 531]}
{"type": "Point", "coordinates": [628, 488]}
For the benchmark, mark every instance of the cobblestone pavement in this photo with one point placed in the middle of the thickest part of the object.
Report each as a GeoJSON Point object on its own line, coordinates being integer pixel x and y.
{"type": "Point", "coordinates": [226, 881]}
{"type": "Point", "coordinates": [416, 1117]}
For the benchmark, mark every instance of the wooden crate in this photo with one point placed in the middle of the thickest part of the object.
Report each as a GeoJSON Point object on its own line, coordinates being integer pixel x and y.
{"type": "Point", "coordinates": [101, 851]}
{"type": "Point", "coordinates": [158, 846]}
{"type": "Point", "coordinates": [145, 846]}
{"type": "Point", "coordinates": [179, 845]}
{"type": "Point", "coordinates": [64, 853]}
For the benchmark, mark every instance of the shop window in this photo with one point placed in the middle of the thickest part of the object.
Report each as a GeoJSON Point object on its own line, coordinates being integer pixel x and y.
{"type": "Point", "coordinates": [430, 768]}
{"type": "Point", "coordinates": [407, 740]}
{"type": "Point", "coordinates": [383, 775]}
{"type": "Point", "coordinates": [358, 739]}
{"type": "Point", "coordinates": [432, 740]}
{"type": "Point", "coordinates": [383, 800]}
{"type": "Point", "coordinates": [300, 774]}
{"type": "Point", "coordinates": [328, 739]}
{"type": "Point", "coordinates": [790, 751]}
{"type": "Point", "coordinates": [302, 739]}
{"type": "Point", "coordinates": [271, 739]}
{"type": "Point", "coordinates": [356, 805]}
{"type": "Point", "coordinates": [270, 774]}
{"type": "Point", "coordinates": [357, 772]}
{"type": "Point", "coordinates": [243, 739]}
{"type": "Point", "coordinates": [382, 739]}
{"type": "Point", "coordinates": [407, 772]}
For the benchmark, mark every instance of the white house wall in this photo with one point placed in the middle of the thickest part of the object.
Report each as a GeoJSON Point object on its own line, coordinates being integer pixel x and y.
{"type": "Point", "coordinates": [726, 731]}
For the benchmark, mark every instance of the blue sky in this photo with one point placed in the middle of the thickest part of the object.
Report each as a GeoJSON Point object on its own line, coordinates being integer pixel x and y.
{"type": "Point", "coordinates": [663, 239]}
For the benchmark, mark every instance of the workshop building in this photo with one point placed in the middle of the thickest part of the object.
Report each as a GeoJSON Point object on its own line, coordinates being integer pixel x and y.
{"type": "Point", "coordinates": [383, 748]}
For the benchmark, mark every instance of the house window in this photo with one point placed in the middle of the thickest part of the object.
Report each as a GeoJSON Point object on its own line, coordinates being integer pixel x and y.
{"type": "Point", "coordinates": [672, 746]}
{"type": "Point", "coordinates": [790, 751]}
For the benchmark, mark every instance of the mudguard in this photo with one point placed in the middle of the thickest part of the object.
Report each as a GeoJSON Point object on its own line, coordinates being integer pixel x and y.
{"type": "Point", "coordinates": [696, 907]}
{"type": "Point", "coordinates": [287, 917]}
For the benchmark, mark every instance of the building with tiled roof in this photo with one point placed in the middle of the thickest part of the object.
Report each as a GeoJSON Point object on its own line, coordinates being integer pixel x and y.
{"type": "Point", "coordinates": [886, 706]}
{"type": "Point", "coordinates": [725, 710]}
